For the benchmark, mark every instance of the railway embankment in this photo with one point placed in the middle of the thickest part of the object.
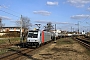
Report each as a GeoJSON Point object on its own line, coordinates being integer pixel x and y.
{"type": "Point", "coordinates": [63, 49]}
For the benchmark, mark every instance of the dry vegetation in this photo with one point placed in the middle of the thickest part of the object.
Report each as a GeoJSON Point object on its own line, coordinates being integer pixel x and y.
{"type": "Point", "coordinates": [64, 49]}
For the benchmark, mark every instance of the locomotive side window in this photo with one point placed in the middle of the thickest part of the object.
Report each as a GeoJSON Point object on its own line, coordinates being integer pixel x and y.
{"type": "Point", "coordinates": [33, 34]}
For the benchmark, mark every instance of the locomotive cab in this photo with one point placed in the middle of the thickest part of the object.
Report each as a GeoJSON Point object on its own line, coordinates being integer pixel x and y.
{"type": "Point", "coordinates": [33, 38]}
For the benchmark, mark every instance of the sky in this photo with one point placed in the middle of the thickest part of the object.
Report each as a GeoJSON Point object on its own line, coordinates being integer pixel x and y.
{"type": "Point", "coordinates": [66, 14]}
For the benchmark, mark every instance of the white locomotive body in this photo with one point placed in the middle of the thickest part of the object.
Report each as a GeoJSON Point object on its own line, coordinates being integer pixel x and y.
{"type": "Point", "coordinates": [36, 38]}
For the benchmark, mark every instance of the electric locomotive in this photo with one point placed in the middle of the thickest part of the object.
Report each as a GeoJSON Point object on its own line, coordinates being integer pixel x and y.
{"type": "Point", "coordinates": [37, 37]}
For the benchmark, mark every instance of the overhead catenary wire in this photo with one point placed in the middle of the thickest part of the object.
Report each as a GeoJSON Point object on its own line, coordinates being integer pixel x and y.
{"type": "Point", "coordinates": [86, 17]}
{"type": "Point", "coordinates": [3, 6]}
{"type": "Point", "coordinates": [9, 13]}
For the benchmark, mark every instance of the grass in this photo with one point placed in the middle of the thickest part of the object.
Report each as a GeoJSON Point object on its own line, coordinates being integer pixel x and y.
{"type": "Point", "coordinates": [9, 40]}
{"type": "Point", "coordinates": [5, 50]}
{"type": "Point", "coordinates": [65, 41]}
{"type": "Point", "coordinates": [2, 41]}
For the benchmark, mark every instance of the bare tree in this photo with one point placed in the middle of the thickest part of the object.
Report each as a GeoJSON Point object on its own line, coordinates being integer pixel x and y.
{"type": "Point", "coordinates": [49, 26]}
{"type": "Point", "coordinates": [25, 23]}
{"type": "Point", "coordinates": [1, 24]}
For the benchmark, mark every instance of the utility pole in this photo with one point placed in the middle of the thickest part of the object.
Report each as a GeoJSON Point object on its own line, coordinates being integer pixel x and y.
{"type": "Point", "coordinates": [21, 30]}
{"type": "Point", "coordinates": [71, 28]}
{"type": "Point", "coordinates": [55, 34]}
{"type": "Point", "coordinates": [78, 27]}
{"type": "Point", "coordinates": [0, 24]}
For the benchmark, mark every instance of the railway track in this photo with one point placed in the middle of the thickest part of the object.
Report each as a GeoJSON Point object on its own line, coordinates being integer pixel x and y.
{"type": "Point", "coordinates": [14, 54]}
{"type": "Point", "coordinates": [21, 53]}
{"type": "Point", "coordinates": [85, 43]}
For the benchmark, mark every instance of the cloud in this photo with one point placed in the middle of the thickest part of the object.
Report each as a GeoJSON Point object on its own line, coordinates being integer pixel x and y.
{"type": "Point", "coordinates": [52, 3]}
{"type": "Point", "coordinates": [3, 6]}
{"type": "Point", "coordinates": [61, 23]}
{"type": "Point", "coordinates": [82, 16]}
{"type": "Point", "coordinates": [46, 21]}
{"type": "Point", "coordinates": [78, 3]}
{"type": "Point", "coordinates": [42, 21]}
{"type": "Point", "coordinates": [42, 12]}
{"type": "Point", "coordinates": [88, 8]}
{"type": "Point", "coordinates": [5, 18]}
{"type": "Point", "coordinates": [0, 7]}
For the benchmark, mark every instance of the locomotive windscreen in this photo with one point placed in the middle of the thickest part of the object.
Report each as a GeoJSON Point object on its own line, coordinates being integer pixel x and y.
{"type": "Point", "coordinates": [33, 34]}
